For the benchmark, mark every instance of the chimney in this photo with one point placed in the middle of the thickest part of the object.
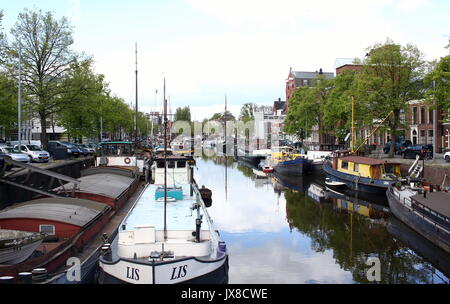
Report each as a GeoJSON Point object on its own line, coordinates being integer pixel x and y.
{"type": "Point", "coordinates": [320, 71]}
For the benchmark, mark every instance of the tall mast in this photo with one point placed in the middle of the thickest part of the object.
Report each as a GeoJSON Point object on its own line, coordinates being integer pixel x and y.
{"type": "Point", "coordinates": [353, 124]}
{"type": "Point", "coordinates": [165, 161]}
{"type": "Point", "coordinates": [136, 112]}
{"type": "Point", "coordinates": [19, 101]}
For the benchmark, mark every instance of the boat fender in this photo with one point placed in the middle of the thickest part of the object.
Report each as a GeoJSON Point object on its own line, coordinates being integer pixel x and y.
{"type": "Point", "coordinates": [6, 280]}
{"type": "Point", "coordinates": [39, 274]}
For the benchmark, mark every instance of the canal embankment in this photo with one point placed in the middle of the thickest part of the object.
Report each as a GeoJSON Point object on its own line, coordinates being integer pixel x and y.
{"type": "Point", "coordinates": [436, 171]}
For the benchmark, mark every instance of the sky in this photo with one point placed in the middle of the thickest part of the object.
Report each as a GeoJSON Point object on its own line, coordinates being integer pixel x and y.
{"type": "Point", "coordinates": [241, 49]}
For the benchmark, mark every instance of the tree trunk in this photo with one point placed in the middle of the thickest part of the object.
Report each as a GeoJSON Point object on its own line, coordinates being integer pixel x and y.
{"type": "Point", "coordinates": [44, 137]}
{"type": "Point", "coordinates": [394, 126]}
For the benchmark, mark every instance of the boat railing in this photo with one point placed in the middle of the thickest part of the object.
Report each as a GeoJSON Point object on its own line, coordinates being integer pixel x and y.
{"type": "Point", "coordinates": [407, 202]}
{"type": "Point", "coordinates": [213, 233]}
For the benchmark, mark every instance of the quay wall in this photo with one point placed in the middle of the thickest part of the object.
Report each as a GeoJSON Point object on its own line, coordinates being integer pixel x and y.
{"type": "Point", "coordinates": [11, 194]}
{"type": "Point", "coordinates": [432, 174]}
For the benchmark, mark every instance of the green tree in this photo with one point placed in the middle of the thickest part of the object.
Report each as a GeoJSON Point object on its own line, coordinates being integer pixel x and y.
{"type": "Point", "coordinates": [85, 91]}
{"type": "Point", "coordinates": [247, 111]}
{"type": "Point", "coordinates": [183, 114]}
{"type": "Point", "coordinates": [8, 104]}
{"type": "Point", "coordinates": [45, 44]}
{"type": "Point", "coordinates": [391, 76]}
{"type": "Point", "coordinates": [306, 108]}
{"type": "Point", "coordinates": [438, 83]}
{"type": "Point", "coordinates": [221, 116]}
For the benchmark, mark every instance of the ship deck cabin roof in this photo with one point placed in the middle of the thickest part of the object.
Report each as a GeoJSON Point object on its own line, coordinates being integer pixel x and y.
{"type": "Point", "coordinates": [363, 160]}
{"type": "Point", "coordinates": [172, 157]}
{"type": "Point", "coordinates": [436, 201]}
{"type": "Point", "coordinates": [149, 211]}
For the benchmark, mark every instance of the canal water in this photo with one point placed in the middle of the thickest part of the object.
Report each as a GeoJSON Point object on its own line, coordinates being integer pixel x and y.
{"type": "Point", "coordinates": [285, 230]}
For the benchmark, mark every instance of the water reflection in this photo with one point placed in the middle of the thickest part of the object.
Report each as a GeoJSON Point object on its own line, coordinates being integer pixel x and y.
{"type": "Point", "coordinates": [282, 230]}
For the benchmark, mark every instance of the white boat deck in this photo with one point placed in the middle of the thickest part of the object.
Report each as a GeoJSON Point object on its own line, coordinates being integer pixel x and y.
{"type": "Point", "coordinates": [148, 211]}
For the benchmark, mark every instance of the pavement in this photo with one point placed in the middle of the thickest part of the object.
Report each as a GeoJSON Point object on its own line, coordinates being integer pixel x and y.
{"type": "Point", "coordinates": [438, 161]}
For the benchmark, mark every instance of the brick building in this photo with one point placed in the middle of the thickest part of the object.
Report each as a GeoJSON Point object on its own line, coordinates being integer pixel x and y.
{"type": "Point", "coordinates": [426, 125]}
{"type": "Point", "coordinates": [297, 79]}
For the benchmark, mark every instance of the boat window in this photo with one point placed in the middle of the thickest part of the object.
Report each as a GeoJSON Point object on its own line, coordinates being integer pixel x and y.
{"type": "Point", "coordinates": [344, 165]}
{"type": "Point", "coordinates": [47, 229]}
{"type": "Point", "coordinates": [181, 164]}
{"type": "Point", "coordinates": [171, 164]}
{"type": "Point", "coordinates": [160, 164]}
{"type": "Point", "coordinates": [356, 167]}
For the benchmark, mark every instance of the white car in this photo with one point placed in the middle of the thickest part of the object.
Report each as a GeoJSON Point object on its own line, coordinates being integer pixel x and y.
{"type": "Point", "coordinates": [447, 156]}
{"type": "Point", "coordinates": [35, 153]}
{"type": "Point", "coordinates": [15, 154]}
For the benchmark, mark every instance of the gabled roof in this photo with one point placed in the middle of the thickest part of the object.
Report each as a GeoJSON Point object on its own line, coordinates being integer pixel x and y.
{"type": "Point", "coordinates": [311, 75]}
{"type": "Point", "coordinates": [363, 160]}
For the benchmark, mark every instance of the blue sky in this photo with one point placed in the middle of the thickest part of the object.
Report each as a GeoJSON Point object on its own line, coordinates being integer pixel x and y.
{"type": "Point", "coordinates": [242, 48]}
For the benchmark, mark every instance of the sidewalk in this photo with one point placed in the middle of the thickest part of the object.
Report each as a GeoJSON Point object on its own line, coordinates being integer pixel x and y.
{"type": "Point", "coordinates": [438, 162]}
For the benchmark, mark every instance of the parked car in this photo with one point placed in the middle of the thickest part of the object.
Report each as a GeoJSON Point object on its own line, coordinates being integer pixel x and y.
{"type": "Point", "coordinates": [84, 151]}
{"type": "Point", "coordinates": [399, 146]}
{"type": "Point", "coordinates": [89, 148]}
{"type": "Point", "coordinates": [15, 154]}
{"type": "Point", "coordinates": [72, 150]}
{"type": "Point", "coordinates": [35, 153]}
{"type": "Point", "coordinates": [424, 151]}
{"type": "Point", "coordinates": [447, 156]}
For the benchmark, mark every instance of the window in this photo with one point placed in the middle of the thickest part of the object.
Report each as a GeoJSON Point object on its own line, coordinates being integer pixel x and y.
{"type": "Point", "coordinates": [171, 164]}
{"type": "Point", "coordinates": [430, 137]}
{"type": "Point", "coordinates": [356, 167]}
{"type": "Point", "coordinates": [181, 164]}
{"type": "Point", "coordinates": [344, 165]}
{"type": "Point", "coordinates": [422, 115]}
{"type": "Point", "coordinates": [422, 137]}
{"type": "Point", "coordinates": [430, 116]}
{"type": "Point", "coordinates": [414, 118]}
{"type": "Point", "coordinates": [160, 164]}
{"type": "Point", "coordinates": [47, 229]}
{"type": "Point", "coordinates": [305, 82]}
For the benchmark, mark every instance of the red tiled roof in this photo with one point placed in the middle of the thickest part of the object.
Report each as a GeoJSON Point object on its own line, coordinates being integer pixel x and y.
{"type": "Point", "coordinates": [363, 160]}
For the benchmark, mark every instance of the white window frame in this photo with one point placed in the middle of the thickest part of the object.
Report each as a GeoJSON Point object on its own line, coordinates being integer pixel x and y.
{"type": "Point", "coordinates": [48, 225]}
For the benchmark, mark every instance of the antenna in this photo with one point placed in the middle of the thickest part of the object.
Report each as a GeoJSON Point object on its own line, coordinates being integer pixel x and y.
{"type": "Point", "coordinates": [136, 114]}
{"type": "Point", "coordinates": [165, 161]}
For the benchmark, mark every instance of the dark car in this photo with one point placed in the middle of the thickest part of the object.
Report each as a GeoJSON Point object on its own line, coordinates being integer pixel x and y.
{"type": "Point", "coordinates": [424, 151]}
{"type": "Point", "coordinates": [84, 151]}
{"type": "Point", "coordinates": [399, 146]}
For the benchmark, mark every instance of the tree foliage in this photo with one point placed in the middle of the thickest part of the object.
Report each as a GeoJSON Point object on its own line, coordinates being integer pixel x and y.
{"type": "Point", "coordinates": [44, 44]}
{"type": "Point", "coordinates": [438, 83]}
{"type": "Point", "coordinates": [183, 114]}
{"type": "Point", "coordinates": [247, 112]}
{"type": "Point", "coordinates": [392, 75]}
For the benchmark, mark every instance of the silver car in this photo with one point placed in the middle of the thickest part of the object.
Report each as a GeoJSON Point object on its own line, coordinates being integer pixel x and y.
{"type": "Point", "coordinates": [35, 153]}
{"type": "Point", "coordinates": [15, 154]}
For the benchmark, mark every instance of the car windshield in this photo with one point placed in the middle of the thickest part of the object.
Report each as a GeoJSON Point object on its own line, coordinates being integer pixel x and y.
{"type": "Point", "coordinates": [34, 148]}
{"type": "Point", "coordinates": [12, 150]}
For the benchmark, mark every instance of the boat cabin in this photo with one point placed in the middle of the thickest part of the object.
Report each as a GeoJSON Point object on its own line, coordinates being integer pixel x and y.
{"type": "Point", "coordinates": [368, 167]}
{"type": "Point", "coordinates": [118, 153]}
{"type": "Point", "coordinates": [178, 170]}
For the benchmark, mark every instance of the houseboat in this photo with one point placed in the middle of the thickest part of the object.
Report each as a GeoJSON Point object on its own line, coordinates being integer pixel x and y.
{"type": "Point", "coordinates": [285, 161]}
{"type": "Point", "coordinates": [168, 236]}
{"type": "Point", "coordinates": [361, 173]}
{"type": "Point", "coordinates": [428, 213]}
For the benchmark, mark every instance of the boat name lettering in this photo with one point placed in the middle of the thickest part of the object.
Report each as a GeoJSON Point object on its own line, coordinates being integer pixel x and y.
{"type": "Point", "coordinates": [181, 273]}
{"type": "Point", "coordinates": [133, 273]}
